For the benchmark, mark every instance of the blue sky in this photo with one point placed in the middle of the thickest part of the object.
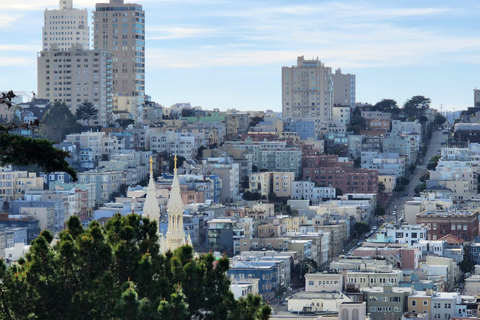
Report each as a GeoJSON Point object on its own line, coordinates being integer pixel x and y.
{"type": "Point", "coordinates": [229, 54]}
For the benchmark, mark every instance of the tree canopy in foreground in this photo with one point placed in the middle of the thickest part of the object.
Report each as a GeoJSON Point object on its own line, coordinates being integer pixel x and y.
{"type": "Point", "coordinates": [116, 272]}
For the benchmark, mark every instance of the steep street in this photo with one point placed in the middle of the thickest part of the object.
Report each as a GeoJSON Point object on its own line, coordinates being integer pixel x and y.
{"type": "Point", "coordinates": [399, 199]}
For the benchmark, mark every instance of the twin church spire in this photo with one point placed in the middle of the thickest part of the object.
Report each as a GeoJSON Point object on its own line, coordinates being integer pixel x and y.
{"type": "Point", "coordinates": [175, 236]}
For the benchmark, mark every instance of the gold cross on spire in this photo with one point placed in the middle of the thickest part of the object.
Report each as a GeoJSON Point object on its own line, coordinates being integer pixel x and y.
{"type": "Point", "coordinates": [175, 160]}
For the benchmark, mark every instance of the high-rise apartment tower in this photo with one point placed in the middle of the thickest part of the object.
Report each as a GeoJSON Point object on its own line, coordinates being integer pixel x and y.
{"type": "Point", "coordinates": [119, 27]}
{"type": "Point", "coordinates": [65, 27]}
{"type": "Point", "coordinates": [344, 89]}
{"type": "Point", "coordinates": [307, 90]}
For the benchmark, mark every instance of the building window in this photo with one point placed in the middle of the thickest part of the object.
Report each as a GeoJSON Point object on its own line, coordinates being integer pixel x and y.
{"type": "Point", "coordinates": [414, 303]}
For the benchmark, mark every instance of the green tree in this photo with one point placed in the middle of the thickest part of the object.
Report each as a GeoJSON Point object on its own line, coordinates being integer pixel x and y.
{"type": "Point", "coordinates": [200, 152]}
{"type": "Point", "coordinates": [381, 187]}
{"type": "Point", "coordinates": [416, 105]}
{"type": "Point", "coordinates": [23, 151]}
{"type": "Point", "coordinates": [440, 120]}
{"type": "Point", "coordinates": [361, 228]}
{"type": "Point", "coordinates": [433, 162]}
{"type": "Point", "coordinates": [58, 122]}
{"type": "Point", "coordinates": [387, 105]}
{"type": "Point", "coordinates": [124, 123]}
{"type": "Point", "coordinates": [302, 268]}
{"type": "Point", "coordinates": [114, 272]}
{"type": "Point", "coordinates": [357, 163]}
{"type": "Point", "coordinates": [87, 111]}
{"type": "Point", "coordinates": [420, 188]}
{"type": "Point", "coordinates": [379, 210]}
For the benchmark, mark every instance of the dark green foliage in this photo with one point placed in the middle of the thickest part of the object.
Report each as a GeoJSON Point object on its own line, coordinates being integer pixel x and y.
{"type": "Point", "coordinates": [379, 210]}
{"type": "Point", "coordinates": [58, 122]}
{"type": "Point", "coordinates": [22, 151]}
{"type": "Point", "coordinates": [249, 196]}
{"type": "Point", "coordinates": [403, 181]}
{"type": "Point", "coordinates": [424, 177]}
{"type": "Point", "coordinates": [387, 105]}
{"type": "Point", "coordinates": [416, 105]}
{"type": "Point", "coordinates": [302, 268]}
{"type": "Point", "coordinates": [200, 152]}
{"type": "Point", "coordinates": [361, 228]}
{"type": "Point", "coordinates": [412, 168]}
{"type": "Point", "coordinates": [381, 187]}
{"type": "Point", "coordinates": [357, 163]}
{"type": "Point", "coordinates": [440, 120]}
{"type": "Point", "coordinates": [117, 272]}
{"type": "Point", "coordinates": [87, 111]}
{"type": "Point", "coordinates": [124, 123]}
{"type": "Point", "coordinates": [420, 188]}
{"type": "Point", "coordinates": [433, 162]}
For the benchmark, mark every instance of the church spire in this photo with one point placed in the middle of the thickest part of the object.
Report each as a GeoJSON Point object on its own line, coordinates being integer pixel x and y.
{"type": "Point", "coordinates": [175, 234]}
{"type": "Point", "coordinates": [150, 208]}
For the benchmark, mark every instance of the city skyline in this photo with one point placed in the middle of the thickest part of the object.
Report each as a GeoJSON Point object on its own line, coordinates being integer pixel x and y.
{"type": "Point", "coordinates": [225, 54]}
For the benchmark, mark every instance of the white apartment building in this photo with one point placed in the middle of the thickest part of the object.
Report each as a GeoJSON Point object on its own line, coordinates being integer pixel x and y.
{"type": "Point", "coordinates": [307, 90]}
{"type": "Point", "coordinates": [409, 234]}
{"type": "Point", "coordinates": [65, 27]}
{"type": "Point", "coordinates": [426, 247]}
{"type": "Point", "coordinates": [323, 282]}
{"type": "Point", "coordinates": [458, 176]}
{"type": "Point", "coordinates": [365, 279]}
{"type": "Point", "coordinates": [183, 144]}
{"type": "Point", "coordinates": [340, 116]}
{"type": "Point", "coordinates": [308, 191]}
{"type": "Point", "coordinates": [74, 76]}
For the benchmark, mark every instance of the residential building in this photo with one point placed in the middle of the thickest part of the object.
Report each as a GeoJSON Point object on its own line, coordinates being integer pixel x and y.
{"type": "Point", "coordinates": [236, 124]}
{"type": "Point", "coordinates": [365, 279]}
{"type": "Point", "coordinates": [65, 27]}
{"type": "Point", "coordinates": [439, 305]}
{"type": "Point", "coordinates": [323, 281]}
{"type": "Point", "coordinates": [318, 302]}
{"type": "Point", "coordinates": [13, 184]}
{"type": "Point", "coordinates": [266, 271]}
{"type": "Point", "coordinates": [119, 28]}
{"type": "Point", "coordinates": [386, 300]}
{"type": "Point", "coordinates": [461, 223]}
{"type": "Point", "coordinates": [340, 116]}
{"type": "Point", "coordinates": [74, 76]}
{"type": "Point", "coordinates": [308, 90]}
{"type": "Point", "coordinates": [328, 170]}
{"type": "Point", "coordinates": [344, 88]}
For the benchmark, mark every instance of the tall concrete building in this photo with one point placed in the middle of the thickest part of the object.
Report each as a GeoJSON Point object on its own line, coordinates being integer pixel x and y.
{"type": "Point", "coordinates": [344, 89]}
{"type": "Point", "coordinates": [307, 90]}
{"type": "Point", "coordinates": [75, 75]}
{"type": "Point", "coordinates": [65, 27]}
{"type": "Point", "coordinates": [119, 27]}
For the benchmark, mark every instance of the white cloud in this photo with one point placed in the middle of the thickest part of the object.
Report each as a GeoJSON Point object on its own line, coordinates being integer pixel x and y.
{"type": "Point", "coordinates": [164, 33]}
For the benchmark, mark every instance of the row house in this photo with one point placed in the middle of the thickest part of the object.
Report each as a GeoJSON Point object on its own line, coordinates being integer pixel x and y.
{"type": "Point", "coordinates": [406, 145]}
{"type": "Point", "coordinates": [266, 182]}
{"type": "Point", "coordinates": [106, 182]}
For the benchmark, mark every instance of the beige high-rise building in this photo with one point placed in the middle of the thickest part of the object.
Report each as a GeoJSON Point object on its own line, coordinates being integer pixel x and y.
{"type": "Point", "coordinates": [65, 27]}
{"type": "Point", "coordinates": [119, 27]}
{"type": "Point", "coordinates": [307, 90]}
{"type": "Point", "coordinates": [75, 75]}
{"type": "Point", "coordinates": [344, 89]}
